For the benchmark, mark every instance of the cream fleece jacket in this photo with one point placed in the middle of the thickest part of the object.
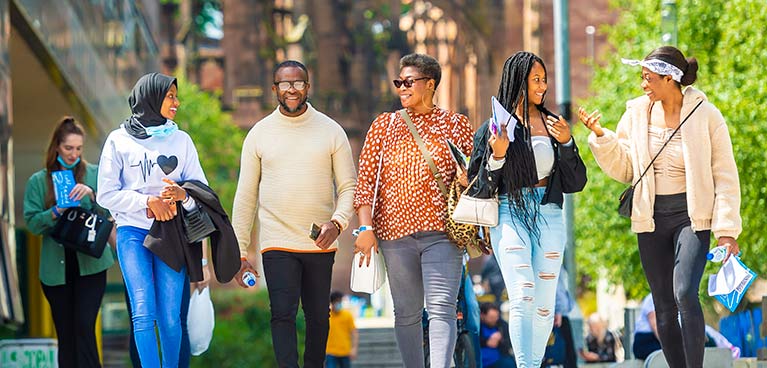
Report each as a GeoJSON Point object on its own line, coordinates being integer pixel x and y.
{"type": "Point", "coordinates": [713, 188]}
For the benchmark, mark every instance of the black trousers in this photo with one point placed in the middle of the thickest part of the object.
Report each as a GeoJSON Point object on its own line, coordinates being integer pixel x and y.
{"type": "Point", "coordinates": [74, 307]}
{"type": "Point", "coordinates": [571, 358]}
{"type": "Point", "coordinates": [291, 277]}
{"type": "Point", "coordinates": [644, 344]}
{"type": "Point", "coordinates": [673, 258]}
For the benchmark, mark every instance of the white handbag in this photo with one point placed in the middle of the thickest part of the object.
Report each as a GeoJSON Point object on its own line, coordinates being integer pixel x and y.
{"type": "Point", "coordinates": [368, 279]}
{"type": "Point", "coordinates": [476, 211]}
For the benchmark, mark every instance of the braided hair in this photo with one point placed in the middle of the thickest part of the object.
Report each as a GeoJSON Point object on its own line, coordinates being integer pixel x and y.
{"type": "Point", "coordinates": [520, 172]}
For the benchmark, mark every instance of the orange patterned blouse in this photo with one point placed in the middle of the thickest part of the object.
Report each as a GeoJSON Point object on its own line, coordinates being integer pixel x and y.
{"type": "Point", "coordinates": [409, 199]}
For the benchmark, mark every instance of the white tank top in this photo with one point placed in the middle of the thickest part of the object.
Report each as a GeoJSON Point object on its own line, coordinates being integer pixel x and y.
{"type": "Point", "coordinates": [544, 155]}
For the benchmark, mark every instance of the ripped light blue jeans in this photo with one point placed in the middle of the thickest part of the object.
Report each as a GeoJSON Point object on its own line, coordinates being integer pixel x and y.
{"type": "Point", "coordinates": [530, 269]}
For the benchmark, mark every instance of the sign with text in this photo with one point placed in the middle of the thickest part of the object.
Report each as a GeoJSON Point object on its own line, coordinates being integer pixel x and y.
{"type": "Point", "coordinates": [28, 353]}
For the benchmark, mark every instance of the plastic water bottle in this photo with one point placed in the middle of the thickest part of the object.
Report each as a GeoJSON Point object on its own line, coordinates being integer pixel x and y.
{"type": "Point", "coordinates": [717, 254]}
{"type": "Point", "coordinates": [249, 279]}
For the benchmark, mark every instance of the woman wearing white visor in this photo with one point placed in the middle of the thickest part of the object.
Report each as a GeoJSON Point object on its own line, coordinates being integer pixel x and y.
{"type": "Point", "coordinates": [674, 146]}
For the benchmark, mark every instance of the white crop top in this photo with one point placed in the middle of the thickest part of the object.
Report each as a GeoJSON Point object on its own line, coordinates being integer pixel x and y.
{"type": "Point", "coordinates": [544, 155]}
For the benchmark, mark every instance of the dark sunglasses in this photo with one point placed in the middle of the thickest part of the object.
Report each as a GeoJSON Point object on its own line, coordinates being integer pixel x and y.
{"type": "Point", "coordinates": [299, 85]}
{"type": "Point", "coordinates": [407, 82]}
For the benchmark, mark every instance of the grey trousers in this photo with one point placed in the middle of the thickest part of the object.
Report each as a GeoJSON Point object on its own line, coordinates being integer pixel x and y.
{"type": "Point", "coordinates": [424, 266]}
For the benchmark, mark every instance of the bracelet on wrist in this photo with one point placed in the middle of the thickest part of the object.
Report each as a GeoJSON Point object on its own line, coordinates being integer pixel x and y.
{"type": "Point", "coordinates": [204, 262]}
{"type": "Point", "coordinates": [337, 225]}
{"type": "Point", "coordinates": [499, 158]}
{"type": "Point", "coordinates": [361, 229]}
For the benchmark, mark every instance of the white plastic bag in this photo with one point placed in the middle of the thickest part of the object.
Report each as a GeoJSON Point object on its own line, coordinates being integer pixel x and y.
{"type": "Point", "coordinates": [200, 321]}
{"type": "Point", "coordinates": [368, 279]}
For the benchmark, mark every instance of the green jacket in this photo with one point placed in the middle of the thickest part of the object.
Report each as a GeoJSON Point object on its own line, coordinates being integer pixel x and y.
{"type": "Point", "coordinates": [40, 222]}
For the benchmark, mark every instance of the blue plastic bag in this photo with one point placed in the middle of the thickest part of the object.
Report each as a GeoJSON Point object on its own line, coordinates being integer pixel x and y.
{"type": "Point", "coordinates": [730, 284]}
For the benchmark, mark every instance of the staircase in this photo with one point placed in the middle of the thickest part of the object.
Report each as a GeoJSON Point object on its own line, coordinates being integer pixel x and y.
{"type": "Point", "coordinates": [377, 349]}
{"type": "Point", "coordinates": [115, 351]}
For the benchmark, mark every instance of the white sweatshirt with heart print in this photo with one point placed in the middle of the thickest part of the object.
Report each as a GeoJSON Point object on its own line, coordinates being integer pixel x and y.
{"type": "Point", "coordinates": [131, 170]}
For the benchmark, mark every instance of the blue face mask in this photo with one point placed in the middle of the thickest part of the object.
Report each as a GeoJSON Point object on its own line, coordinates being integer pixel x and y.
{"type": "Point", "coordinates": [162, 131]}
{"type": "Point", "coordinates": [337, 306]}
{"type": "Point", "coordinates": [65, 165]}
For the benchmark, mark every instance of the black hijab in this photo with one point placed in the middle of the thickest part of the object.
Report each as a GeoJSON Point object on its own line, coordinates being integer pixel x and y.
{"type": "Point", "coordinates": [145, 102]}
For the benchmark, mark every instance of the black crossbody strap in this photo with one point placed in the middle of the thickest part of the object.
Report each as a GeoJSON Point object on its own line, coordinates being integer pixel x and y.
{"type": "Point", "coordinates": [666, 143]}
{"type": "Point", "coordinates": [425, 151]}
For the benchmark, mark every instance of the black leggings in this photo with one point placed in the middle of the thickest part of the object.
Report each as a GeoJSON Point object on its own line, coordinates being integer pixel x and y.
{"type": "Point", "coordinates": [673, 258]}
{"type": "Point", "coordinates": [74, 307]}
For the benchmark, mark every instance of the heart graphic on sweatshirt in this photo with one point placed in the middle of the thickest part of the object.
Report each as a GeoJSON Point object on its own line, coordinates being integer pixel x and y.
{"type": "Point", "coordinates": [167, 164]}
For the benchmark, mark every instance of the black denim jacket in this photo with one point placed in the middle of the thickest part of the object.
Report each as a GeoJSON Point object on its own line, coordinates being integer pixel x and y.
{"type": "Point", "coordinates": [567, 176]}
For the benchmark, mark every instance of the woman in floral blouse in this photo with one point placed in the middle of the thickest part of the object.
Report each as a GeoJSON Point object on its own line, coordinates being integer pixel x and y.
{"type": "Point", "coordinates": [410, 210]}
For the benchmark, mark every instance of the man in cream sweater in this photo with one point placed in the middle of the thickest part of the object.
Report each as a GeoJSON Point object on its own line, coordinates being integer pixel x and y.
{"type": "Point", "coordinates": [297, 170]}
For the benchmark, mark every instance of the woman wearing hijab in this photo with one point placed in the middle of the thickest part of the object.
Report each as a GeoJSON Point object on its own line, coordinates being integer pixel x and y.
{"type": "Point", "coordinates": [140, 164]}
{"type": "Point", "coordinates": [73, 283]}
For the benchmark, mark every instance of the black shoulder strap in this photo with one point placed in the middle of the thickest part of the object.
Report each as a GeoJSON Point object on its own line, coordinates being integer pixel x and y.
{"type": "Point", "coordinates": [666, 143]}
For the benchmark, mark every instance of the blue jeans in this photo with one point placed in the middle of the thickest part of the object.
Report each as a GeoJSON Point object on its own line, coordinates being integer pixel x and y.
{"type": "Point", "coordinates": [185, 354]}
{"type": "Point", "coordinates": [337, 362]}
{"type": "Point", "coordinates": [471, 319]}
{"type": "Point", "coordinates": [155, 292]}
{"type": "Point", "coordinates": [530, 269]}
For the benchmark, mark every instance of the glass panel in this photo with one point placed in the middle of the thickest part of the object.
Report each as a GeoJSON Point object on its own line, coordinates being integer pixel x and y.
{"type": "Point", "coordinates": [10, 298]}
{"type": "Point", "coordinates": [102, 47]}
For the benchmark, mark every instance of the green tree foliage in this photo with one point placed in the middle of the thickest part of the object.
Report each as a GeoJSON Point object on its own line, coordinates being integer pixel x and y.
{"type": "Point", "coordinates": [241, 337]}
{"type": "Point", "coordinates": [217, 139]}
{"type": "Point", "coordinates": [731, 51]}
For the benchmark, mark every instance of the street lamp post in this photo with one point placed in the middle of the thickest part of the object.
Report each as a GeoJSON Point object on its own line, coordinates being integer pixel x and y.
{"type": "Point", "coordinates": [668, 22]}
{"type": "Point", "coordinates": [562, 66]}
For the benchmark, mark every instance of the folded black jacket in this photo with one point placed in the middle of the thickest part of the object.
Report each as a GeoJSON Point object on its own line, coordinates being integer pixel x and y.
{"type": "Point", "coordinates": [168, 242]}
{"type": "Point", "coordinates": [567, 176]}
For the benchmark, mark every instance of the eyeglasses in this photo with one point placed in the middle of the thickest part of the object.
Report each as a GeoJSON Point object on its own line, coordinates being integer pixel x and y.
{"type": "Point", "coordinates": [299, 85]}
{"type": "Point", "coordinates": [407, 82]}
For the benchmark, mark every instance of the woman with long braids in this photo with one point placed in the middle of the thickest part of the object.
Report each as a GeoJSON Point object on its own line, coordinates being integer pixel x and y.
{"type": "Point", "coordinates": [688, 192]}
{"type": "Point", "coordinates": [530, 175]}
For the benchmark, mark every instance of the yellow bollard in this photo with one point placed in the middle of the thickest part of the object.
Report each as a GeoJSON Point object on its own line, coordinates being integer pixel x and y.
{"type": "Point", "coordinates": [40, 319]}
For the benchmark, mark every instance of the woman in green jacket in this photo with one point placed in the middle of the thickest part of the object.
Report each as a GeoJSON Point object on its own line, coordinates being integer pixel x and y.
{"type": "Point", "coordinates": [73, 283]}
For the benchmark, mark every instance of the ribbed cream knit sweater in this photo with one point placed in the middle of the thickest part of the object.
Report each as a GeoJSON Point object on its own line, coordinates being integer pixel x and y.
{"type": "Point", "coordinates": [293, 172]}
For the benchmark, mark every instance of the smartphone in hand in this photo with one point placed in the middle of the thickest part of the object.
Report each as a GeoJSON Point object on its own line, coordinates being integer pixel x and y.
{"type": "Point", "coordinates": [314, 231]}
